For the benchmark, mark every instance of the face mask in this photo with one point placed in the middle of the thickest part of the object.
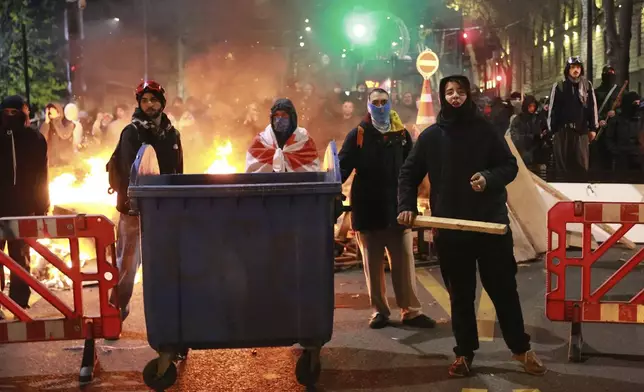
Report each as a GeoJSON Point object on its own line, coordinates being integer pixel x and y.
{"type": "Point", "coordinates": [281, 125]}
{"type": "Point", "coordinates": [15, 122]}
{"type": "Point", "coordinates": [380, 115]}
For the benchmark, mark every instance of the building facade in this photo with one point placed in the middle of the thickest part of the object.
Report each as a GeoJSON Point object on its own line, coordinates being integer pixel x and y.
{"type": "Point", "coordinates": [535, 52]}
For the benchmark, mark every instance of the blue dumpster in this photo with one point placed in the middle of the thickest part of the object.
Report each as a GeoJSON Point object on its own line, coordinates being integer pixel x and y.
{"type": "Point", "coordinates": [237, 261]}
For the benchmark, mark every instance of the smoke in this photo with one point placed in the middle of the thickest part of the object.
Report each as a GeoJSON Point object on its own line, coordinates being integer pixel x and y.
{"type": "Point", "coordinates": [228, 68]}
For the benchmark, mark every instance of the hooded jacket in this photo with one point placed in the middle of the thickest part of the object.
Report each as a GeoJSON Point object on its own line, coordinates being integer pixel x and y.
{"type": "Point", "coordinates": [24, 185]}
{"type": "Point", "coordinates": [377, 159]}
{"type": "Point", "coordinates": [570, 108]}
{"type": "Point", "coordinates": [622, 131]}
{"type": "Point", "coordinates": [525, 130]}
{"type": "Point", "coordinates": [165, 140]}
{"type": "Point", "coordinates": [287, 106]}
{"type": "Point", "coordinates": [461, 144]}
{"type": "Point", "coordinates": [292, 150]}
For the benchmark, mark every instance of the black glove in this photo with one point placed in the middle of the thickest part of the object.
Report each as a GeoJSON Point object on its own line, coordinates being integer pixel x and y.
{"type": "Point", "coordinates": [339, 207]}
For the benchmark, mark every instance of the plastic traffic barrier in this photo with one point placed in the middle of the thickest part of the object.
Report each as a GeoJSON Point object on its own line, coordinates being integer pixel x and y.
{"type": "Point", "coordinates": [590, 307]}
{"type": "Point", "coordinates": [75, 324]}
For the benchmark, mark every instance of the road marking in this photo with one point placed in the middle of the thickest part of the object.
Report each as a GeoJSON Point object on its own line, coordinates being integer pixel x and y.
{"type": "Point", "coordinates": [485, 317]}
{"type": "Point", "coordinates": [436, 290]}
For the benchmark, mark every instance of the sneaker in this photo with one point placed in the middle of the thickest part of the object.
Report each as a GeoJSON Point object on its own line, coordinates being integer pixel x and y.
{"type": "Point", "coordinates": [378, 321]}
{"type": "Point", "coordinates": [460, 367]}
{"type": "Point", "coordinates": [531, 363]}
{"type": "Point", "coordinates": [420, 321]}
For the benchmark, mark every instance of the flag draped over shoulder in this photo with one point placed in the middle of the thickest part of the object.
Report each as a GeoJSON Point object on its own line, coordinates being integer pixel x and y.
{"type": "Point", "coordinates": [298, 155]}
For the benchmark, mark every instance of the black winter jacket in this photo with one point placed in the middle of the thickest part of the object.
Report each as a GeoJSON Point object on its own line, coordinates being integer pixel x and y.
{"type": "Point", "coordinates": [165, 140]}
{"type": "Point", "coordinates": [375, 185]}
{"type": "Point", "coordinates": [24, 185]}
{"type": "Point", "coordinates": [451, 155]}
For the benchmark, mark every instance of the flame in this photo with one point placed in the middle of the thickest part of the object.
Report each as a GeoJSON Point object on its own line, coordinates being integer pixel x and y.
{"type": "Point", "coordinates": [49, 275]}
{"type": "Point", "coordinates": [67, 190]}
{"type": "Point", "coordinates": [221, 164]}
{"type": "Point", "coordinates": [84, 190]}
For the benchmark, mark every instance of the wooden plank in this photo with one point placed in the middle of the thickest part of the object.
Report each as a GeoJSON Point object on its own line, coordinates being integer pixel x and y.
{"type": "Point", "coordinates": [528, 206]}
{"type": "Point", "coordinates": [460, 224]}
{"type": "Point", "coordinates": [560, 196]}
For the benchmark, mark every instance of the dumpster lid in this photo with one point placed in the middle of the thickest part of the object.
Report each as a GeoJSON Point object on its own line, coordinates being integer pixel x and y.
{"type": "Point", "coordinates": [233, 185]}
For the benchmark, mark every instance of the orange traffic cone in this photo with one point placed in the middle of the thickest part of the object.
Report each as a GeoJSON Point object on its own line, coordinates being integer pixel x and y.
{"type": "Point", "coordinates": [426, 116]}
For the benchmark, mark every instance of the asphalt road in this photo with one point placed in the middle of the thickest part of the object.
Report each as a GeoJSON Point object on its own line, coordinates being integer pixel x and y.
{"type": "Point", "coordinates": [357, 359]}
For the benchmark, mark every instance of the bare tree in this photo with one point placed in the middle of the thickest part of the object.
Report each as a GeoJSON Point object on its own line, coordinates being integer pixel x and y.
{"type": "Point", "coordinates": [618, 43]}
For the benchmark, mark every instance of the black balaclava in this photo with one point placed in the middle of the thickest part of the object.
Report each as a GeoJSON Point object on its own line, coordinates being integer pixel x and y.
{"type": "Point", "coordinates": [287, 106]}
{"type": "Point", "coordinates": [629, 108]}
{"type": "Point", "coordinates": [17, 121]}
{"type": "Point", "coordinates": [450, 115]}
{"type": "Point", "coordinates": [608, 76]}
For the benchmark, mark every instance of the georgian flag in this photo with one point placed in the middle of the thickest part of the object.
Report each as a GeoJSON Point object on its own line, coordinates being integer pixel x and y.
{"type": "Point", "coordinates": [298, 155]}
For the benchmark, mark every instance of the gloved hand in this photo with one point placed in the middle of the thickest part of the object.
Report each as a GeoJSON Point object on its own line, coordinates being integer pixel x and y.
{"type": "Point", "coordinates": [339, 207]}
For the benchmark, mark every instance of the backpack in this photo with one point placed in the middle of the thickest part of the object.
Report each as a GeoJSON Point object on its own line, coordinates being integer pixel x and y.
{"type": "Point", "coordinates": [113, 168]}
{"type": "Point", "coordinates": [115, 178]}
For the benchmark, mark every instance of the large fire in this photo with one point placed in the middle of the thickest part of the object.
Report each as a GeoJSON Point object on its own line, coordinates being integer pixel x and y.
{"type": "Point", "coordinates": [83, 189]}
{"type": "Point", "coordinates": [221, 164]}
{"type": "Point", "coordinates": [67, 190]}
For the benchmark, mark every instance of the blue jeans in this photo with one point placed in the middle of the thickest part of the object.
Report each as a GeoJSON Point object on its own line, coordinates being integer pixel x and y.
{"type": "Point", "coordinates": [128, 260]}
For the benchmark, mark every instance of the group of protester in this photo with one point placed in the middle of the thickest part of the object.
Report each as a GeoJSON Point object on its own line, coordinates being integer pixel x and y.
{"type": "Point", "coordinates": [468, 163]}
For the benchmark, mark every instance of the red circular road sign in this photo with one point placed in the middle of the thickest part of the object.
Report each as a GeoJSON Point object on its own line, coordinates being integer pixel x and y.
{"type": "Point", "coordinates": [427, 63]}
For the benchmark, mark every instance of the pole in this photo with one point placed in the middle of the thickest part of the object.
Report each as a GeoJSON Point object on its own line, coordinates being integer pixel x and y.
{"type": "Point", "coordinates": [145, 39]}
{"type": "Point", "coordinates": [461, 43]}
{"type": "Point", "coordinates": [25, 61]}
{"type": "Point", "coordinates": [589, 40]}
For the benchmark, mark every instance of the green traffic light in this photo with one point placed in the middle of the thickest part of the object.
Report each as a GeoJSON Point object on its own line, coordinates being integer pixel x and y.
{"type": "Point", "coordinates": [359, 30]}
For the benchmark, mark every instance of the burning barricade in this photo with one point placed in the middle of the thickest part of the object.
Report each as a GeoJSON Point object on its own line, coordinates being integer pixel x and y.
{"type": "Point", "coordinates": [82, 189]}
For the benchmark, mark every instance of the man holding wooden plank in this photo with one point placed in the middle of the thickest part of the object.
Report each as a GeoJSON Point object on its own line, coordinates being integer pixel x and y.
{"type": "Point", "coordinates": [469, 165]}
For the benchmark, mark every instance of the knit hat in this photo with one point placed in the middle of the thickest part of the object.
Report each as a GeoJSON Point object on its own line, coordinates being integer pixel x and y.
{"type": "Point", "coordinates": [13, 102]}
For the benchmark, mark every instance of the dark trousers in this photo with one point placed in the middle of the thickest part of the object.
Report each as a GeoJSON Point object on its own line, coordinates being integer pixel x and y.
{"type": "Point", "coordinates": [458, 254]}
{"type": "Point", "coordinates": [571, 152]}
{"type": "Point", "coordinates": [19, 291]}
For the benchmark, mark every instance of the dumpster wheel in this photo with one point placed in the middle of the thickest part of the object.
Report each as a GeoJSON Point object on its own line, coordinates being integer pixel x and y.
{"type": "Point", "coordinates": [156, 382]}
{"type": "Point", "coordinates": [308, 367]}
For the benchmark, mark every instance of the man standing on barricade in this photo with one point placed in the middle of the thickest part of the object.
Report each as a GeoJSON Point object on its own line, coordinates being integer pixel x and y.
{"type": "Point", "coordinates": [282, 146]}
{"type": "Point", "coordinates": [573, 119]}
{"type": "Point", "coordinates": [150, 126]}
{"type": "Point", "coordinates": [24, 186]}
{"type": "Point", "coordinates": [469, 165]}
{"type": "Point", "coordinates": [376, 149]}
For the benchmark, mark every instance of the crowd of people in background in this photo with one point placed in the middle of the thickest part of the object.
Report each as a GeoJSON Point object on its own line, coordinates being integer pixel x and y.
{"type": "Point", "coordinates": [329, 114]}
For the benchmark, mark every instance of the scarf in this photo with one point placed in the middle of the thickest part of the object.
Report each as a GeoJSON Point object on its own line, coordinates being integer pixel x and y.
{"type": "Point", "coordinates": [298, 155]}
{"type": "Point", "coordinates": [380, 116]}
{"type": "Point", "coordinates": [394, 124]}
{"type": "Point", "coordinates": [583, 88]}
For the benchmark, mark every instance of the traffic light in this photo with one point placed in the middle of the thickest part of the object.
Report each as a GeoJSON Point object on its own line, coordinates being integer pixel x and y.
{"type": "Point", "coordinates": [360, 28]}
